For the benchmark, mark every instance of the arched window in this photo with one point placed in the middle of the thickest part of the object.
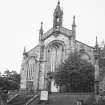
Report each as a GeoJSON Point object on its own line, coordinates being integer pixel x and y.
{"type": "Point", "coordinates": [55, 56]}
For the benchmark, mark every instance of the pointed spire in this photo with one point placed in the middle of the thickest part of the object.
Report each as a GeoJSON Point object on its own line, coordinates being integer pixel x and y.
{"type": "Point", "coordinates": [24, 52]}
{"type": "Point", "coordinates": [41, 25]}
{"type": "Point", "coordinates": [96, 46]}
{"type": "Point", "coordinates": [41, 29]}
{"type": "Point", "coordinates": [58, 9]}
{"type": "Point", "coordinates": [74, 24]}
{"type": "Point", "coordinates": [74, 28]}
{"type": "Point", "coordinates": [24, 49]}
{"type": "Point", "coordinates": [58, 2]}
{"type": "Point", "coordinates": [58, 16]}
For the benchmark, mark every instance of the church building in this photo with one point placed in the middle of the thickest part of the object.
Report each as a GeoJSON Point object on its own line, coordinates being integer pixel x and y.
{"type": "Point", "coordinates": [54, 47]}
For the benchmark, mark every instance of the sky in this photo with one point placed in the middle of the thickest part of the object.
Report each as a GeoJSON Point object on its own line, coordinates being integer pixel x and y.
{"type": "Point", "coordinates": [20, 22]}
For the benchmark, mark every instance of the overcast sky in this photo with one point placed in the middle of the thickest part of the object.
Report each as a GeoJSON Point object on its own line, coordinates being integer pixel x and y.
{"type": "Point", "coordinates": [20, 23]}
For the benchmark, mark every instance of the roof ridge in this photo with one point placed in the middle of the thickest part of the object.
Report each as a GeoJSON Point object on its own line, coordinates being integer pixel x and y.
{"type": "Point", "coordinates": [85, 44]}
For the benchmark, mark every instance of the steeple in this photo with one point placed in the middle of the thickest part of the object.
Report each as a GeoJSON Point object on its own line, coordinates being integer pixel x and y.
{"type": "Point", "coordinates": [57, 16]}
{"type": "Point", "coordinates": [74, 28]}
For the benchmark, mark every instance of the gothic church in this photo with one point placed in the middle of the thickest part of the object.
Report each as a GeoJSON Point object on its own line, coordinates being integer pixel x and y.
{"type": "Point", "coordinates": [54, 47]}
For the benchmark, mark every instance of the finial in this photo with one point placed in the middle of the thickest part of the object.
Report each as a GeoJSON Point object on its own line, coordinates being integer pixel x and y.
{"type": "Point", "coordinates": [41, 25]}
{"type": "Point", "coordinates": [24, 49]}
{"type": "Point", "coordinates": [74, 17]}
{"type": "Point", "coordinates": [96, 40]}
{"type": "Point", "coordinates": [73, 21]}
{"type": "Point", "coordinates": [41, 29]}
{"type": "Point", "coordinates": [96, 43]}
{"type": "Point", "coordinates": [58, 5]}
{"type": "Point", "coordinates": [25, 53]}
{"type": "Point", "coordinates": [58, 2]}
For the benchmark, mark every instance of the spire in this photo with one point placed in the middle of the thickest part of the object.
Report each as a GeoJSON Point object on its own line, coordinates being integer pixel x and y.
{"type": "Point", "coordinates": [73, 25]}
{"type": "Point", "coordinates": [58, 2]}
{"type": "Point", "coordinates": [58, 5]}
{"type": "Point", "coordinates": [41, 29]}
{"type": "Point", "coordinates": [24, 49]}
{"type": "Point", "coordinates": [57, 16]}
{"type": "Point", "coordinates": [96, 46]}
{"type": "Point", "coordinates": [24, 52]}
{"type": "Point", "coordinates": [74, 28]}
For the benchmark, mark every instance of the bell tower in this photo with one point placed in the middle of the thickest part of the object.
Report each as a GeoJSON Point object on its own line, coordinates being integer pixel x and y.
{"type": "Point", "coordinates": [57, 16]}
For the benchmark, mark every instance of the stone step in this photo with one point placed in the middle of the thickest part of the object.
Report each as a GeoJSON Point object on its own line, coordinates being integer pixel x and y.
{"type": "Point", "coordinates": [20, 100]}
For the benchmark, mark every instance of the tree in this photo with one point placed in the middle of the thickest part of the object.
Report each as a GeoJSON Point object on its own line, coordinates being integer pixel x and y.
{"type": "Point", "coordinates": [76, 74]}
{"type": "Point", "coordinates": [13, 78]}
{"type": "Point", "coordinates": [8, 81]}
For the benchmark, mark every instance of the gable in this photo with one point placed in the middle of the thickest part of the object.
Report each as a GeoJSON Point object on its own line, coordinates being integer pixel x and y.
{"type": "Point", "coordinates": [54, 32]}
{"type": "Point", "coordinates": [80, 45]}
{"type": "Point", "coordinates": [34, 52]}
{"type": "Point", "coordinates": [87, 52]}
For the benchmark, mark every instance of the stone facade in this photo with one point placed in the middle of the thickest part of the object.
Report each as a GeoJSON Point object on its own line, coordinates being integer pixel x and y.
{"type": "Point", "coordinates": [54, 47]}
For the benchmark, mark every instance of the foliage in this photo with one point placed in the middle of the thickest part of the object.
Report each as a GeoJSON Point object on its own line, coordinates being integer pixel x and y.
{"type": "Point", "coordinates": [10, 80]}
{"type": "Point", "coordinates": [76, 74]}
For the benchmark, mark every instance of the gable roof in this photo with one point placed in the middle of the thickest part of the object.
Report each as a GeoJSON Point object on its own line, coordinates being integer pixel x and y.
{"type": "Point", "coordinates": [85, 44]}
{"type": "Point", "coordinates": [62, 30]}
